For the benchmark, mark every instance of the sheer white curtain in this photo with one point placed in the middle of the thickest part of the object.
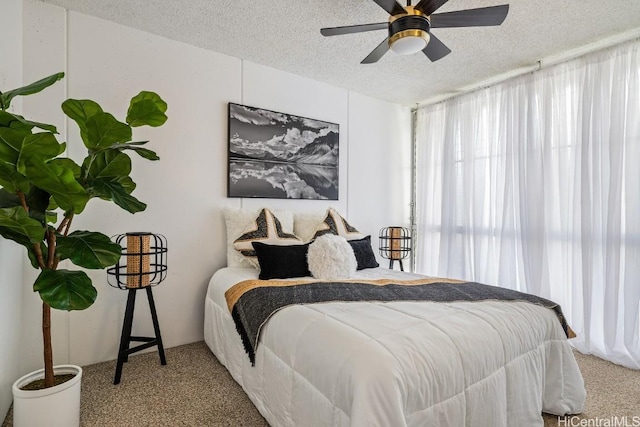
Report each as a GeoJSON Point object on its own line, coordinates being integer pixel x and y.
{"type": "Point", "coordinates": [534, 184]}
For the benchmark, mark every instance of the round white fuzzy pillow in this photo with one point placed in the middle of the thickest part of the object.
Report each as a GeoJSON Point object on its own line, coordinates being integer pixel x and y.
{"type": "Point", "coordinates": [331, 257]}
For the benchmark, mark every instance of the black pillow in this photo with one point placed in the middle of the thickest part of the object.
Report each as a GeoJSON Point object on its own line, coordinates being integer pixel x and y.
{"type": "Point", "coordinates": [282, 262]}
{"type": "Point", "coordinates": [364, 253]}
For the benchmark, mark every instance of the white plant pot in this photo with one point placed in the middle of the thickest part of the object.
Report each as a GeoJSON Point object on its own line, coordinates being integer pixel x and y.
{"type": "Point", "coordinates": [57, 406]}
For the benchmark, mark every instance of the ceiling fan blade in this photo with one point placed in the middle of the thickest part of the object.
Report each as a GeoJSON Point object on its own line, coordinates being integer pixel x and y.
{"type": "Point", "coordinates": [391, 6]}
{"type": "Point", "coordinates": [481, 17]}
{"type": "Point", "coordinates": [436, 49]}
{"type": "Point", "coordinates": [377, 53]}
{"type": "Point", "coordinates": [429, 6]}
{"type": "Point", "coordinates": [351, 29]}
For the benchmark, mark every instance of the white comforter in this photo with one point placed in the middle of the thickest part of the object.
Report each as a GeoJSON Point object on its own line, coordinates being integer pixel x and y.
{"type": "Point", "coordinates": [400, 363]}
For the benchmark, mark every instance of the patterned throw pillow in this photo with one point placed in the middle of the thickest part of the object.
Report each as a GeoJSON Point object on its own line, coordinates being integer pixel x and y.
{"type": "Point", "coordinates": [334, 223]}
{"type": "Point", "coordinates": [266, 229]}
{"type": "Point", "coordinates": [237, 220]}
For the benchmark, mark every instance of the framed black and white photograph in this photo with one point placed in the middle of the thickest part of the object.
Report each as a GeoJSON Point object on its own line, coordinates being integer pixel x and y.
{"type": "Point", "coordinates": [281, 156]}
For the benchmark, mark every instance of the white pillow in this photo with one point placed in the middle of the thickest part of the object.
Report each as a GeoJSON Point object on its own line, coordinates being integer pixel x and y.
{"type": "Point", "coordinates": [305, 225]}
{"type": "Point", "coordinates": [237, 220]}
{"type": "Point", "coordinates": [331, 257]}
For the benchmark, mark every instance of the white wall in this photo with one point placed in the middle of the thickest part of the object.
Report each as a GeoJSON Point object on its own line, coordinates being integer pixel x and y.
{"type": "Point", "coordinates": [379, 165]}
{"type": "Point", "coordinates": [186, 189]}
{"type": "Point", "coordinates": [11, 254]}
{"type": "Point", "coordinates": [11, 283]}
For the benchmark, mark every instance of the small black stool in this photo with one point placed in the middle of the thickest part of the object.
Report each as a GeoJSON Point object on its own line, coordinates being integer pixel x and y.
{"type": "Point", "coordinates": [126, 338]}
{"type": "Point", "coordinates": [143, 264]}
{"type": "Point", "coordinates": [391, 261]}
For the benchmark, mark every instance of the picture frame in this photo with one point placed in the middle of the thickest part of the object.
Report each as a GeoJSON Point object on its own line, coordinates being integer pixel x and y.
{"type": "Point", "coordinates": [281, 156]}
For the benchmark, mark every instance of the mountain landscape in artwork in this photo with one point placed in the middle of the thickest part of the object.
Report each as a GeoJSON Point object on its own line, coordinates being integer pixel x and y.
{"type": "Point", "coordinates": [280, 155]}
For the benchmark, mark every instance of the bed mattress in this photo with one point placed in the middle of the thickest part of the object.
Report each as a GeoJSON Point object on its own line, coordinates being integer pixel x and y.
{"type": "Point", "coordinates": [487, 363]}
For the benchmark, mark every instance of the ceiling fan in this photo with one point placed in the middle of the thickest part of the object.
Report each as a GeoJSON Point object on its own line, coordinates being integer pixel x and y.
{"type": "Point", "coordinates": [410, 27]}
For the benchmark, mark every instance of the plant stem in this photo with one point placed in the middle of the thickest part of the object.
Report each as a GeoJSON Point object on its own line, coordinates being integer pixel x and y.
{"type": "Point", "coordinates": [64, 227]}
{"type": "Point", "coordinates": [36, 246]}
{"type": "Point", "coordinates": [49, 380]}
{"type": "Point", "coordinates": [48, 351]}
{"type": "Point", "coordinates": [62, 224]}
{"type": "Point", "coordinates": [65, 224]}
{"type": "Point", "coordinates": [66, 230]}
{"type": "Point", "coordinates": [51, 243]}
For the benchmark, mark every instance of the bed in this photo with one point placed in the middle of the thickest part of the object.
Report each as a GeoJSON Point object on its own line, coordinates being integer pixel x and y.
{"type": "Point", "coordinates": [399, 363]}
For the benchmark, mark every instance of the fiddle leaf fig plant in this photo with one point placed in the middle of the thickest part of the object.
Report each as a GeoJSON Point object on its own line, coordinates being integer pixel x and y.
{"type": "Point", "coordinates": [41, 191]}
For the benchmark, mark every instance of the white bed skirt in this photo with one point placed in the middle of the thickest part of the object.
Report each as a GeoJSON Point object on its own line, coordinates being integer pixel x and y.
{"type": "Point", "coordinates": [400, 364]}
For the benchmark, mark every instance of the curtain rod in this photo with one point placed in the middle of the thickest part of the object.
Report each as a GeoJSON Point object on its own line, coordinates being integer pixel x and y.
{"type": "Point", "coordinates": [543, 63]}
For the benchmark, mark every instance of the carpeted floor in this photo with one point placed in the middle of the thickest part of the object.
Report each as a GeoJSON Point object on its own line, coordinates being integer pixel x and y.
{"type": "Point", "coordinates": [195, 390]}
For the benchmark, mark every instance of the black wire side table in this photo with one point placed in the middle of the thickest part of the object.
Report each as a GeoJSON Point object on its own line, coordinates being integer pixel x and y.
{"type": "Point", "coordinates": [144, 266]}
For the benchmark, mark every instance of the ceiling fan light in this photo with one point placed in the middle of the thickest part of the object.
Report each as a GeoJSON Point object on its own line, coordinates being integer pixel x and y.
{"type": "Point", "coordinates": [409, 42]}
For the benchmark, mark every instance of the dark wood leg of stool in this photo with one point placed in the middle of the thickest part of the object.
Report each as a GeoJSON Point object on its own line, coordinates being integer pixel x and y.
{"type": "Point", "coordinates": [156, 326]}
{"type": "Point", "coordinates": [401, 266]}
{"type": "Point", "coordinates": [125, 338]}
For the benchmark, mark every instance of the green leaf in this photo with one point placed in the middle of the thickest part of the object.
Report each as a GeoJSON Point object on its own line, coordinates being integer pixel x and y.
{"type": "Point", "coordinates": [18, 122]}
{"type": "Point", "coordinates": [128, 202]}
{"type": "Point", "coordinates": [11, 180]}
{"type": "Point", "coordinates": [81, 110]}
{"type": "Point", "coordinates": [16, 236]}
{"type": "Point", "coordinates": [88, 249]}
{"type": "Point", "coordinates": [127, 183]}
{"type": "Point", "coordinates": [145, 153]}
{"type": "Point", "coordinates": [111, 190]}
{"type": "Point", "coordinates": [51, 217]}
{"type": "Point", "coordinates": [31, 252]}
{"type": "Point", "coordinates": [8, 199]}
{"type": "Point", "coordinates": [30, 124]}
{"type": "Point", "coordinates": [58, 180]}
{"type": "Point", "coordinates": [11, 141]}
{"type": "Point", "coordinates": [38, 200]}
{"type": "Point", "coordinates": [38, 147]}
{"type": "Point", "coordinates": [8, 120]}
{"type": "Point", "coordinates": [103, 130]}
{"type": "Point", "coordinates": [16, 221]}
{"type": "Point", "coordinates": [103, 189]}
{"type": "Point", "coordinates": [35, 87]}
{"type": "Point", "coordinates": [67, 163]}
{"type": "Point", "coordinates": [108, 163]}
{"type": "Point", "coordinates": [65, 289]}
{"type": "Point", "coordinates": [52, 205]}
{"type": "Point", "coordinates": [24, 241]}
{"type": "Point", "coordinates": [127, 145]}
{"type": "Point", "coordinates": [147, 108]}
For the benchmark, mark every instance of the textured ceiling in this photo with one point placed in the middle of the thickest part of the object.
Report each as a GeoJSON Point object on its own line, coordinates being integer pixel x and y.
{"type": "Point", "coordinates": [286, 35]}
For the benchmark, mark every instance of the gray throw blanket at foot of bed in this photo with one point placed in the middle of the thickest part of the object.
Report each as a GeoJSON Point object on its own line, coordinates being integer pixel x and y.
{"type": "Point", "coordinates": [253, 302]}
